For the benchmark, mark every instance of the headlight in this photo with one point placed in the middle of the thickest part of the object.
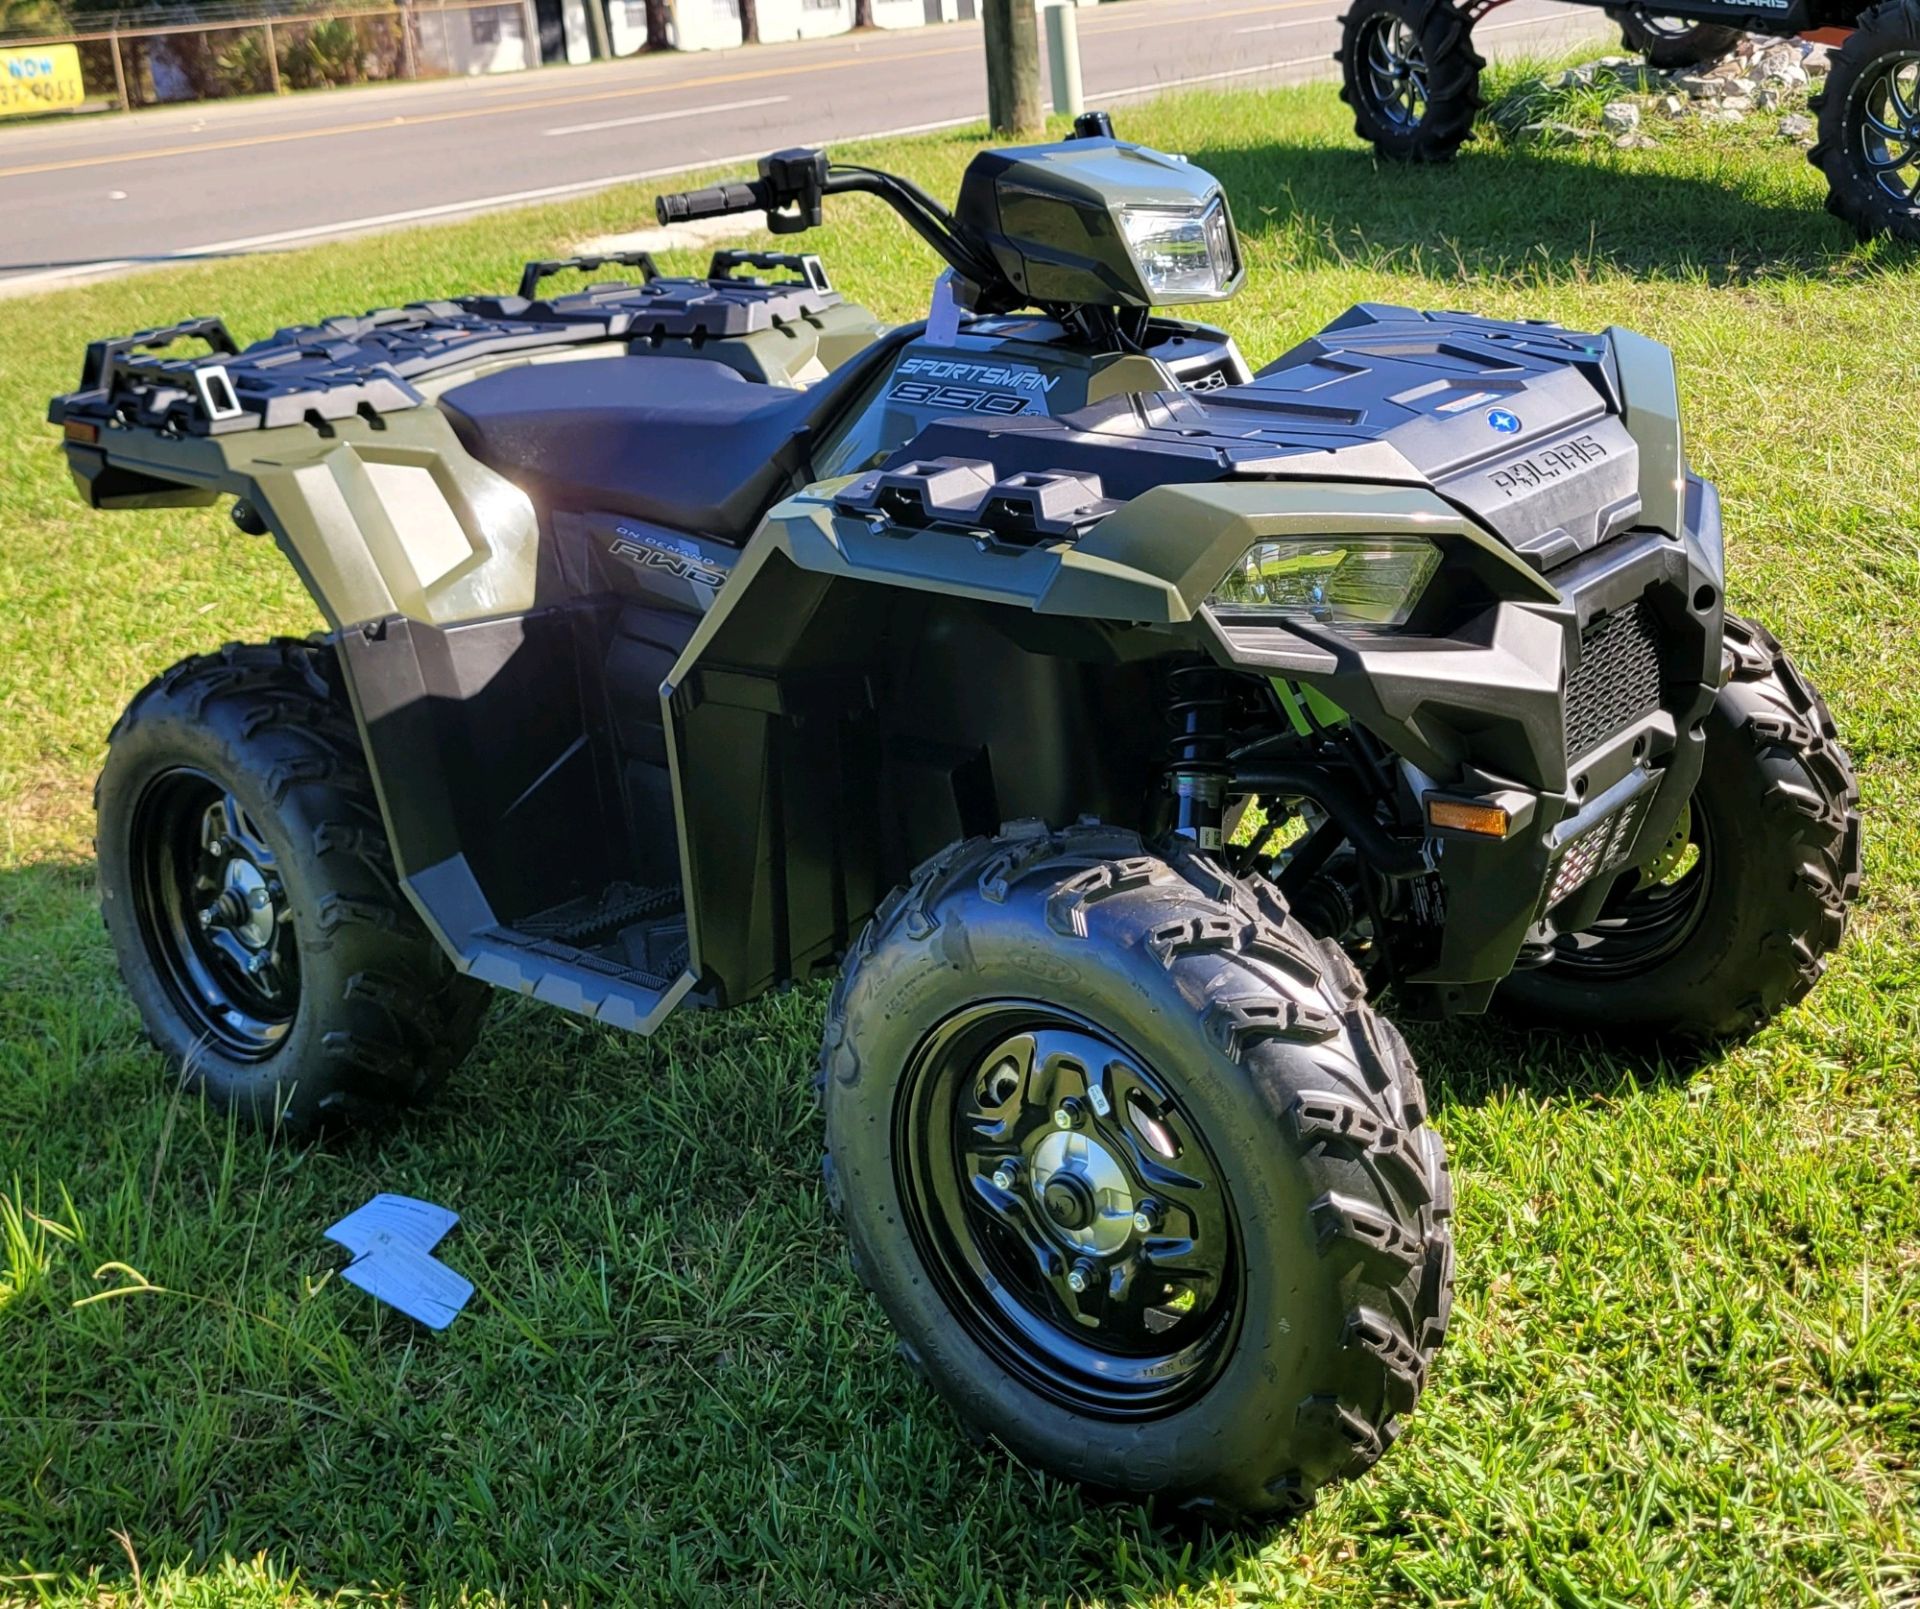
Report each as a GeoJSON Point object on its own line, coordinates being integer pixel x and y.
{"type": "Point", "coordinates": [1183, 253]}
{"type": "Point", "coordinates": [1365, 580]}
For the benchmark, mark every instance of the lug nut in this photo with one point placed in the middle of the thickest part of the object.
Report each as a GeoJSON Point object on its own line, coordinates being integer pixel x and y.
{"type": "Point", "coordinates": [1147, 1217]}
{"type": "Point", "coordinates": [1081, 1276]}
{"type": "Point", "coordinates": [1069, 1114]}
{"type": "Point", "coordinates": [1006, 1176]}
{"type": "Point", "coordinates": [217, 848]}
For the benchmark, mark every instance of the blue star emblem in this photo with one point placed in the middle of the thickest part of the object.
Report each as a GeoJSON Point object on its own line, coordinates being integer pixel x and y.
{"type": "Point", "coordinates": [1508, 424]}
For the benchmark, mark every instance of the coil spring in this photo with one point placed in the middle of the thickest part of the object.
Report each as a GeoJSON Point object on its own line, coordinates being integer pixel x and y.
{"type": "Point", "coordinates": [1197, 710]}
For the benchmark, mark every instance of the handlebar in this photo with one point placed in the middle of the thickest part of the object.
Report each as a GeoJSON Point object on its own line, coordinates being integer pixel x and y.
{"type": "Point", "coordinates": [791, 186]}
{"type": "Point", "coordinates": [715, 201]}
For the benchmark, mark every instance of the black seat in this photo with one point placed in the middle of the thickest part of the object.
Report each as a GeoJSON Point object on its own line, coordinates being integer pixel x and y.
{"type": "Point", "coordinates": [683, 442]}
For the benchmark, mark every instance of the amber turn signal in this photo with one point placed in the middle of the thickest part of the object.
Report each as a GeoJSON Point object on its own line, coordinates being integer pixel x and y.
{"type": "Point", "coordinates": [1466, 815]}
{"type": "Point", "coordinates": [80, 430]}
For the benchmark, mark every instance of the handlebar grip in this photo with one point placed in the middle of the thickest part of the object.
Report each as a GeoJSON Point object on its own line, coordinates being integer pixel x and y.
{"type": "Point", "coordinates": [715, 201]}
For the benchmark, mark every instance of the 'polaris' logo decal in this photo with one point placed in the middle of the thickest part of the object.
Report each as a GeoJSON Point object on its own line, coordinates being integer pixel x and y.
{"type": "Point", "coordinates": [1508, 424]}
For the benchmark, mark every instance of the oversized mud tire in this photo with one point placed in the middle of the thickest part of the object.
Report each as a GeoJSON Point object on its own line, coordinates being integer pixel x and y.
{"type": "Point", "coordinates": [1744, 931]}
{"type": "Point", "coordinates": [251, 899]}
{"type": "Point", "coordinates": [1869, 124]}
{"type": "Point", "coordinates": [1670, 43]}
{"type": "Point", "coordinates": [1409, 71]}
{"type": "Point", "coordinates": [1229, 1077]}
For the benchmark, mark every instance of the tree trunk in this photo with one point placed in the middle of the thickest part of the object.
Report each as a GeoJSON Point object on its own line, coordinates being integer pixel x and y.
{"type": "Point", "coordinates": [657, 25]}
{"type": "Point", "coordinates": [863, 13]}
{"type": "Point", "coordinates": [1014, 105]}
{"type": "Point", "coordinates": [749, 22]}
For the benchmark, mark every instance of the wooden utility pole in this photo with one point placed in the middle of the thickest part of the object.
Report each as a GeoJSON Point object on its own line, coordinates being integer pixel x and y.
{"type": "Point", "coordinates": [1013, 68]}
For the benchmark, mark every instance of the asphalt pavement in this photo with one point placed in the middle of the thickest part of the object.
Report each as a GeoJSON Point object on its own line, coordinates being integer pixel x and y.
{"type": "Point", "coordinates": [83, 198]}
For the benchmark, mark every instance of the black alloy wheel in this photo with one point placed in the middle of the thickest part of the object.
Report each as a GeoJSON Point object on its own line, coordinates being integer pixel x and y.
{"type": "Point", "coordinates": [1072, 1210]}
{"type": "Point", "coordinates": [1654, 920]}
{"type": "Point", "coordinates": [1869, 112]}
{"type": "Point", "coordinates": [1411, 75]}
{"type": "Point", "coordinates": [212, 911]}
{"type": "Point", "coordinates": [1670, 43]}
{"type": "Point", "coordinates": [1733, 919]}
{"type": "Point", "coordinates": [1144, 1184]}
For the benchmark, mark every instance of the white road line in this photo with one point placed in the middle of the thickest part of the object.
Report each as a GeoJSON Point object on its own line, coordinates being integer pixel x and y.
{"type": "Point", "coordinates": [667, 117]}
{"type": "Point", "coordinates": [1275, 27]}
{"type": "Point", "coordinates": [53, 278]}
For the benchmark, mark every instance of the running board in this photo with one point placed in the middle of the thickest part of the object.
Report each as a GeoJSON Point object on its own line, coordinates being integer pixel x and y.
{"type": "Point", "coordinates": [545, 965]}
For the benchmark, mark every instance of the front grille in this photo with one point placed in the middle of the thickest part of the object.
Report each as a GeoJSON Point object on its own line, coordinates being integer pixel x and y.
{"type": "Point", "coordinates": [1618, 679]}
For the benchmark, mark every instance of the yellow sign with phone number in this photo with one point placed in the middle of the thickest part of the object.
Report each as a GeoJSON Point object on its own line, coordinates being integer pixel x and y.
{"type": "Point", "coordinates": [43, 78]}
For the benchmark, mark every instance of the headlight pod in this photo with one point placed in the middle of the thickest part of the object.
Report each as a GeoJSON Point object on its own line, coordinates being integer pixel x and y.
{"type": "Point", "coordinates": [1357, 580]}
{"type": "Point", "coordinates": [1183, 253]}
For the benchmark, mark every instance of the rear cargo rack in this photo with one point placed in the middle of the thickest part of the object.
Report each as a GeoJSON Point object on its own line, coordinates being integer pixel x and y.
{"type": "Point", "coordinates": [368, 366]}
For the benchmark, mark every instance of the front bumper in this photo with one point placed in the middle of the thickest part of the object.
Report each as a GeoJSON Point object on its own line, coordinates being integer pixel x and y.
{"type": "Point", "coordinates": [1583, 715]}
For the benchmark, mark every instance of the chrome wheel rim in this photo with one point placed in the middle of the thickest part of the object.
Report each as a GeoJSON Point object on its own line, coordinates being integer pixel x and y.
{"type": "Point", "coordinates": [1888, 104]}
{"type": "Point", "coordinates": [1396, 70]}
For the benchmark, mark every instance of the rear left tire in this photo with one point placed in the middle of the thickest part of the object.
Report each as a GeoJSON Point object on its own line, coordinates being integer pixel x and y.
{"type": "Point", "coordinates": [1046, 1034]}
{"type": "Point", "coordinates": [252, 902]}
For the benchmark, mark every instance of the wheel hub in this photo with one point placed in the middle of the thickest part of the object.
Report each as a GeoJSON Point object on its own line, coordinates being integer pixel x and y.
{"type": "Point", "coordinates": [245, 906]}
{"type": "Point", "coordinates": [1085, 1193]}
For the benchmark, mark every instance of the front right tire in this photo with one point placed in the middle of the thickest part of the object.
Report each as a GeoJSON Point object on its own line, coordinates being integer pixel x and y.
{"type": "Point", "coordinates": [1144, 1184]}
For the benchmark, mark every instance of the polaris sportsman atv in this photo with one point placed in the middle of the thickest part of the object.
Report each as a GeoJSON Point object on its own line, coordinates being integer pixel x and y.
{"type": "Point", "coordinates": [1412, 77]}
{"type": "Point", "coordinates": [1110, 715]}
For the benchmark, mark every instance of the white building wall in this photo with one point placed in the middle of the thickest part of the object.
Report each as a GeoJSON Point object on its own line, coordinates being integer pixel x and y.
{"type": "Point", "coordinates": [487, 39]}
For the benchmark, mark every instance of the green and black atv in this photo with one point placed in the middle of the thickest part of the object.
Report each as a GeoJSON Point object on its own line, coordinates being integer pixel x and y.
{"type": "Point", "coordinates": [1112, 717]}
{"type": "Point", "coordinates": [1412, 77]}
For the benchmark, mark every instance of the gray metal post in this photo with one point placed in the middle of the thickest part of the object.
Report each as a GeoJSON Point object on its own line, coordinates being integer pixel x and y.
{"type": "Point", "coordinates": [1063, 58]}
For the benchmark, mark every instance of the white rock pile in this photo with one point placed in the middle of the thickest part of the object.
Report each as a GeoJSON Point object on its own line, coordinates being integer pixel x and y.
{"type": "Point", "coordinates": [1760, 74]}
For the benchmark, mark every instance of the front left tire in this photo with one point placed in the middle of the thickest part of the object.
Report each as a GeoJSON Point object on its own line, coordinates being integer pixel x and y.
{"type": "Point", "coordinates": [1143, 1183]}
{"type": "Point", "coordinates": [251, 898]}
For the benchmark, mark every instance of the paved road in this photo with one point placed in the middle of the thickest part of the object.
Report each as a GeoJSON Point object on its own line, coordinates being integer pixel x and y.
{"type": "Point", "coordinates": [79, 199]}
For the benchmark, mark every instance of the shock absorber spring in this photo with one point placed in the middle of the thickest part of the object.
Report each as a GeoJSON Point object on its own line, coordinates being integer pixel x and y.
{"type": "Point", "coordinates": [1196, 776]}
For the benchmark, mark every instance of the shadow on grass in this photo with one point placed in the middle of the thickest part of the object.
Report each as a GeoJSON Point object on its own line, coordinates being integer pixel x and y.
{"type": "Point", "coordinates": [666, 1377]}
{"type": "Point", "coordinates": [1472, 1060]}
{"type": "Point", "coordinates": [1546, 213]}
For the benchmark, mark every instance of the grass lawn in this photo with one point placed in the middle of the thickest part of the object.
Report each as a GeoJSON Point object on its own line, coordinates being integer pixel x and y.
{"type": "Point", "coordinates": [1685, 1365]}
